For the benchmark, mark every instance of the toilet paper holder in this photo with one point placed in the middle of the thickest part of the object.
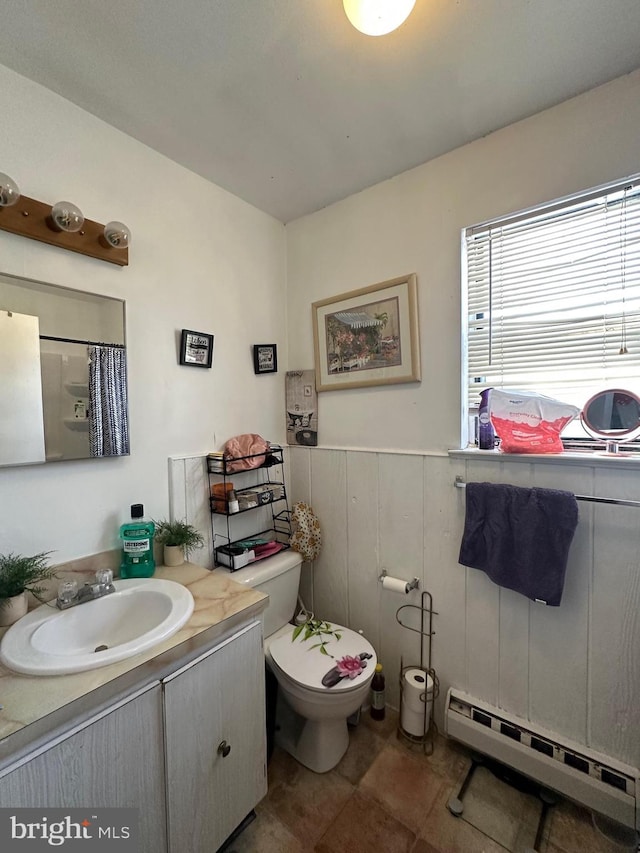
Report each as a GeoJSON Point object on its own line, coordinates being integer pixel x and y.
{"type": "Point", "coordinates": [426, 632]}
{"type": "Point", "coordinates": [414, 584]}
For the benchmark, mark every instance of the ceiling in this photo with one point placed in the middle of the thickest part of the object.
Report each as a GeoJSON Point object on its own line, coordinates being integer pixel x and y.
{"type": "Point", "coordinates": [284, 104]}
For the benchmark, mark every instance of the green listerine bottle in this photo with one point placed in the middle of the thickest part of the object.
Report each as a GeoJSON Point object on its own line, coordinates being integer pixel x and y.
{"type": "Point", "coordinates": [137, 545]}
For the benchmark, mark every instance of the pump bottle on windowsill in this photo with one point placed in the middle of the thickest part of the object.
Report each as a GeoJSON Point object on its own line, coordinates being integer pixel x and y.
{"type": "Point", "coordinates": [486, 434]}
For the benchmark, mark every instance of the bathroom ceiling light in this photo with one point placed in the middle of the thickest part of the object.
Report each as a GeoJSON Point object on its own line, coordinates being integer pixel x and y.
{"type": "Point", "coordinates": [67, 217]}
{"type": "Point", "coordinates": [378, 17]}
{"type": "Point", "coordinates": [9, 192]}
{"type": "Point", "coordinates": [62, 225]}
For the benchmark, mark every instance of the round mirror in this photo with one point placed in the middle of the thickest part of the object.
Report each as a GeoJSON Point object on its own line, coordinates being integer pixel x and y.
{"type": "Point", "coordinates": [612, 414]}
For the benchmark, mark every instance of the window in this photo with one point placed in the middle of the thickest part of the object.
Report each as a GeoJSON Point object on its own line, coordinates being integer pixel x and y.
{"type": "Point", "coordinates": [553, 298]}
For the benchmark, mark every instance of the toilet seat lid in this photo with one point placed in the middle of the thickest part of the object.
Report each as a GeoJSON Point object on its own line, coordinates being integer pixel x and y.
{"type": "Point", "coordinates": [307, 665]}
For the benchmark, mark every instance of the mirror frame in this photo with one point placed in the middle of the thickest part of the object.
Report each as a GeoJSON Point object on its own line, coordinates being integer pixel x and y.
{"type": "Point", "coordinates": [610, 433]}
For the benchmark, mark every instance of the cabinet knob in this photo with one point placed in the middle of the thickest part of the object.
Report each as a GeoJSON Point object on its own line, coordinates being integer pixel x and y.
{"type": "Point", "coordinates": [223, 748]}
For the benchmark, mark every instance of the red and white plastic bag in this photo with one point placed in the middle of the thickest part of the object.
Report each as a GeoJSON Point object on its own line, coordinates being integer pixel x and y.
{"type": "Point", "coordinates": [528, 422]}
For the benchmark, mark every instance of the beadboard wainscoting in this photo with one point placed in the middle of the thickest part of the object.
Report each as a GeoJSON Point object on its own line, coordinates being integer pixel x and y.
{"type": "Point", "coordinates": [189, 500]}
{"type": "Point", "coordinates": [571, 669]}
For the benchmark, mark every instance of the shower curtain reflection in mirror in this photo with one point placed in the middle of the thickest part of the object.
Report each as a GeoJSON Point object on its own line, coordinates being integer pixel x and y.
{"type": "Point", "coordinates": [108, 409]}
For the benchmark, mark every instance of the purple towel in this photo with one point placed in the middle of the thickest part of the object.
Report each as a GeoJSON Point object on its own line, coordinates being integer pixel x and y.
{"type": "Point", "coordinates": [519, 537]}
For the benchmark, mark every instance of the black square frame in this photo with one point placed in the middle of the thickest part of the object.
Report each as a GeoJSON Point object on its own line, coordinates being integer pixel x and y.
{"type": "Point", "coordinates": [265, 358]}
{"type": "Point", "coordinates": [196, 349]}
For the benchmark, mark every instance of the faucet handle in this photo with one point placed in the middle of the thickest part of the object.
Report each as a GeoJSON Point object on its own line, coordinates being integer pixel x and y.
{"type": "Point", "coordinates": [104, 577]}
{"type": "Point", "coordinates": [67, 591]}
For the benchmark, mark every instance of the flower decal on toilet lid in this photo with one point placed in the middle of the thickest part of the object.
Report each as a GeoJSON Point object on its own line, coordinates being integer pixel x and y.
{"type": "Point", "coordinates": [307, 539]}
{"type": "Point", "coordinates": [347, 667]}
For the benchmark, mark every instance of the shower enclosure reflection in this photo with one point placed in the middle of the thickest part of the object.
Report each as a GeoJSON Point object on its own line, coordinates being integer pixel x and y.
{"type": "Point", "coordinates": [77, 406]}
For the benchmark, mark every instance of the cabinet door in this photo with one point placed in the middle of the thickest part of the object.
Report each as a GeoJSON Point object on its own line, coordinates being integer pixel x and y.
{"type": "Point", "coordinates": [211, 787]}
{"type": "Point", "coordinates": [114, 760]}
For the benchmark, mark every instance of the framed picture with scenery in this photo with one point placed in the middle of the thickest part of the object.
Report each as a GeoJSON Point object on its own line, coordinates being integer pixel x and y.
{"type": "Point", "coordinates": [368, 336]}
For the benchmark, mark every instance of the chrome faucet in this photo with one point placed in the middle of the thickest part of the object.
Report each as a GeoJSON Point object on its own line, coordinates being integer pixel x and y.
{"type": "Point", "coordinates": [69, 594]}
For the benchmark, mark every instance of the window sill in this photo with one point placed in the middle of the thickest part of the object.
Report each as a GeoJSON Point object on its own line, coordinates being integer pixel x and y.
{"type": "Point", "coordinates": [591, 458]}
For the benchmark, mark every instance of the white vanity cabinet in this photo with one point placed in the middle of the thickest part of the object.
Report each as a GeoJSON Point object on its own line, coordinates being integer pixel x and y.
{"type": "Point", "coordinates": [188, 750]}
{"type": "Point", "coordinates": [114, 758]}
{"type": "Point", "coordinates": [215, 742]}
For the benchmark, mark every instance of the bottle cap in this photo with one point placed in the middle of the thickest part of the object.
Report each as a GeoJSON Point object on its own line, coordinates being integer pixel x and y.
{"type": "Point", "coordinates": [137, 510]}
{"type": "Point", "coordinates": [378, 667]}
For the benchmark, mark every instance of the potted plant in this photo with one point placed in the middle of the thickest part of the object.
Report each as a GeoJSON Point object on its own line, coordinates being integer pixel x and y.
{"type": "Point", "coordinates": [178, 538]}
{"type": "Point", "coordinates": [19, 575]}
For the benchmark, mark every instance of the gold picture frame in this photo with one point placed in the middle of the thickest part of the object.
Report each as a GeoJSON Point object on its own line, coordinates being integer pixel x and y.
{"type": "Point", "coordinates": [368, 336]}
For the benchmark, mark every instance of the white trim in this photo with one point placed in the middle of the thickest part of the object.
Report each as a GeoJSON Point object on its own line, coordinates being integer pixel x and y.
{"type": "Point", "coordinates": [551, 207]}
{"type": "Point", "coordinates": [568, 458]}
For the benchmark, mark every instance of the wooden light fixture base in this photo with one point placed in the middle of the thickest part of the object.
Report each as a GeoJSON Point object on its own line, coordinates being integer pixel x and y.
{"type": "Point", "coordinates": [32, 218]}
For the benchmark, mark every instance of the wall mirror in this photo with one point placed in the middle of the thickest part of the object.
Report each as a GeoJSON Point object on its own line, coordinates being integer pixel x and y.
{"type": "Point", "coordinates": [63, 374]}
{"type": "Point", "coordinates": [613, 414]}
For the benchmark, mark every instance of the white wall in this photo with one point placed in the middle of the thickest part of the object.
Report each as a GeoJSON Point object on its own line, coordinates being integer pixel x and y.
{"type": "Point", "coordinates": [569, 669]}
{"type": "Point", "coordinates": [215, 264]}
{"type": "Point", "coordinates": [412, 223]}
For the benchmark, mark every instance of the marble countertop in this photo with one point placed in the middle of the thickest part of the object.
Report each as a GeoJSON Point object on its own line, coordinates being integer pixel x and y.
{"type": "Point", "coordinates": [34, 707]}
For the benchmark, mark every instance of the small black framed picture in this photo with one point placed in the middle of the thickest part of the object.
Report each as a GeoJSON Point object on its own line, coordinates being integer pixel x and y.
{"type": "Point", "coordinates": [265, 358]}
{"type": "Point", "coordinates": [196, 349]}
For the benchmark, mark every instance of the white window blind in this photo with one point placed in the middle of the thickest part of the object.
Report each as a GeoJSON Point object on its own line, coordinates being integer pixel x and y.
{"type": "Point", "coordinates": [553, 296]}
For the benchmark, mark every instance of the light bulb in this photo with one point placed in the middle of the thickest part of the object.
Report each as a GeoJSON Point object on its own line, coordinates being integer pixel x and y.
{"type": "Point", "coordinates": [117, 235]}
{"type": "Point", "coordinates": [66, 216]}
{"type": "Point", "coordinates": [9, 191]}
{"type": "Point", "coordinates": [377, 17]}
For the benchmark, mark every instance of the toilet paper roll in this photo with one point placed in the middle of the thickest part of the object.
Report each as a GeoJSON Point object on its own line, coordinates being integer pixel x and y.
{"type": "Point", "coordinates": [417, 691]}
{"type": "Point", "coordinates": [395, 585]}
{"type": "Point", "coordinates": [417, 686]}
{"type": "Point", "coordinates": [414, 722]}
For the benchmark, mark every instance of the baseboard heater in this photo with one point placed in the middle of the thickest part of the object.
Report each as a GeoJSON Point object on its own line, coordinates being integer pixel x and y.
{"type": "Point", "coordinates": [594, 780]}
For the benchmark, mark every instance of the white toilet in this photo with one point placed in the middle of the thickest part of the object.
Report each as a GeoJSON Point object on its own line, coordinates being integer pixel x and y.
{"type": "Point", "coordinates": [312, 721]}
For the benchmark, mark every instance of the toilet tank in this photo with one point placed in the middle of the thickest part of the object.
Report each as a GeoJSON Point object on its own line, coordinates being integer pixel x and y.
{"type": "Point", "coordinates": [279, 577]}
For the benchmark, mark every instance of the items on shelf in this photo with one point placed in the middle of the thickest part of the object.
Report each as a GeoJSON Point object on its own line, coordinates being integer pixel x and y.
{"type": "Point", "coordinates": [220, 496]}
{"type": "Point", "coordinates": [264, 493]}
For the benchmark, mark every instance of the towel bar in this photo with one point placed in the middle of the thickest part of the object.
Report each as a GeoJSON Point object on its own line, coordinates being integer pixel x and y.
{"type": "Point", "coordinates": [460, 484]}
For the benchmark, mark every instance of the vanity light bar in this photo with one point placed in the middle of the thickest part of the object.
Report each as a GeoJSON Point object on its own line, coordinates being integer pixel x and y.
{"type": "Point", "coordinates": [31, 218]}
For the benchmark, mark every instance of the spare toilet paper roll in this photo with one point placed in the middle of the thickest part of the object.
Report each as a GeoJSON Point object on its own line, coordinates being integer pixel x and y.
{"type": "Point", "coordinates": [395, 585]}
{"type": "Point", "coordinates": [417, 690]}
{"type": "Point", "coordinates": [414, 722]}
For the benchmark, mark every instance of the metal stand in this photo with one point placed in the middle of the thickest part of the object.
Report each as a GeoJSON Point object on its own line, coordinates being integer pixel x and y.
{"type": "Point", "coordinates": [426, 632]}
{"type": "Point", "coordinates": [516, 780]}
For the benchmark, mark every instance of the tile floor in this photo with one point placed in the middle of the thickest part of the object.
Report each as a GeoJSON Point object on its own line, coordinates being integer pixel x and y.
{"type": "Point", "coordinates": [387, 797]}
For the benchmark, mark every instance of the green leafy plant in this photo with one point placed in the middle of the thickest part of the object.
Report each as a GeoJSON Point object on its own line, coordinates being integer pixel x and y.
{"type": "Point", "coordinates": [178, 533]}
{"type": "Point", "coordinates": [18, 574]}
{"type": "Point", "coordinates": [319, 629]}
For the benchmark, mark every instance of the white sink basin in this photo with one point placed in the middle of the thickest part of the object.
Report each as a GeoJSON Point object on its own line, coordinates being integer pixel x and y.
{"type": "Point", "coordinates": [139, 614]}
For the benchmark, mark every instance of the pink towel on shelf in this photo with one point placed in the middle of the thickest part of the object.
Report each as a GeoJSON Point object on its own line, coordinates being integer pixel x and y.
{"type": "Point", "coordinates": [249, 444]}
